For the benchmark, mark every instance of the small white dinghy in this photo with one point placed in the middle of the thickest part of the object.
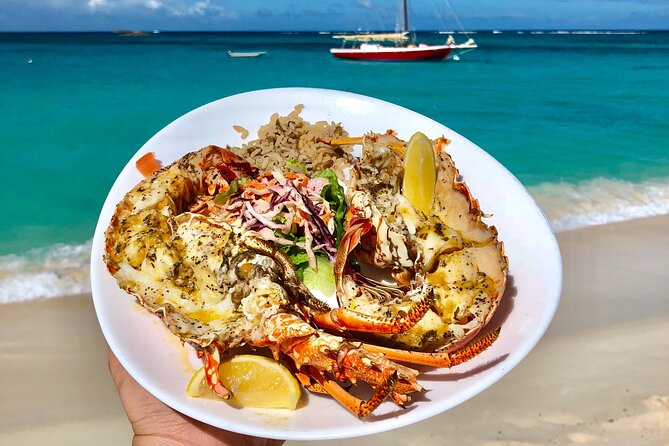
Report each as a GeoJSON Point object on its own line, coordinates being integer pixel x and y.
{"type": "Point", "coordinates": [246, 53]}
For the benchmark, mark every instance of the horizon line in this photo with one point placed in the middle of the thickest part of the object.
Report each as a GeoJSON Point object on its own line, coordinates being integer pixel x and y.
{"type": "Point", "coordinates": [338, 31]}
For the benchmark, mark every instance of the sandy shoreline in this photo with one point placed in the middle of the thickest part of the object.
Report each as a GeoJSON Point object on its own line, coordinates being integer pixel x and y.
{"type": "Point", "coordinates": [56, 385]}
{"type": "Point", "coordinates": [599, 376]}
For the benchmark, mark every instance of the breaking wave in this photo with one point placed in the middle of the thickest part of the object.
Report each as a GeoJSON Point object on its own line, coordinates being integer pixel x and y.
{"type": "Point", "coordinates": [55, 271]}
{"type": "Point", "coordinates": [600, 201]}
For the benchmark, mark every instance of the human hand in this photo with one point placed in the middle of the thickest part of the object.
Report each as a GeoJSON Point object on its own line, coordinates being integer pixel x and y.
{"type": "Point", "coordinates": [155, 424]}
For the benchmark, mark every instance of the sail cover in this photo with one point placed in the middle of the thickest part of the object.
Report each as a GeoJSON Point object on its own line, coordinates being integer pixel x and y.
{"type": "Point", "coordinates": [383, 37]}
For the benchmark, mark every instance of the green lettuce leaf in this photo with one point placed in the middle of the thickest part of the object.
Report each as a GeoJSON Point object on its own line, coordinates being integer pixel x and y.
{"type": "Point", "coordinates": [334, 194]}
{"type": "Point", "coordinates": [297, 256]}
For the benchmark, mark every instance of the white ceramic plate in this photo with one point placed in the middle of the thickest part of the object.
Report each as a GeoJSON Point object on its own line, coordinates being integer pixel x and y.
{"type": "Point", "coordinates": [156, 359]}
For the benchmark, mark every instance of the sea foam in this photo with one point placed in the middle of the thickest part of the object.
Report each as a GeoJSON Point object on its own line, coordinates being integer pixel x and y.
{"type": "Point", "coordinates": [63, 270]}
{"type": "Point", "coordinates": [55, 271]}
{"type": "Point", "coordinates": [600, 201]}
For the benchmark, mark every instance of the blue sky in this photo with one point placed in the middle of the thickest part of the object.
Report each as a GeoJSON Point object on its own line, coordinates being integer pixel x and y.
{"type": "Point", "coordinates": [322, 15]}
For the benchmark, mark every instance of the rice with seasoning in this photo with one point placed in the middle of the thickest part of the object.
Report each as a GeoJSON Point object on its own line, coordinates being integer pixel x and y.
{"type": "Point", "coordinates": [291, 138]}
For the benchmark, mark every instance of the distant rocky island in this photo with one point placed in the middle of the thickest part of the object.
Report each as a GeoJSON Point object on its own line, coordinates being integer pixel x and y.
{"type": "Point", "coordinates": [130, 33]}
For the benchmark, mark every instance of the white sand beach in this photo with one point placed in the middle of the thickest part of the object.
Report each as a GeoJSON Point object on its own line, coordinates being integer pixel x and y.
{"type": "Point", "coordinates": [598, 377]}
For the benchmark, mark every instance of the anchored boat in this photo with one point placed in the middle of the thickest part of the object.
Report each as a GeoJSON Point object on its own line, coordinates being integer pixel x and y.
{"type": "Point", "coordinates": [246, 53]}
{"type": "Point", "coordinates": [399, 46]}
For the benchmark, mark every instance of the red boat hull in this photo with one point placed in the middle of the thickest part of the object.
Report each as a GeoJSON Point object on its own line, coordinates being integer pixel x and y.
{"type": "Point", "coordinates": [393, 54]}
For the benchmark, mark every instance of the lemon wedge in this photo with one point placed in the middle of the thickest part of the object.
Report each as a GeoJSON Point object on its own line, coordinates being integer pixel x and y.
{"type": "Point", "coordinates": [254, 381]}
{"type": "Point", "coordinates": [420, 173]}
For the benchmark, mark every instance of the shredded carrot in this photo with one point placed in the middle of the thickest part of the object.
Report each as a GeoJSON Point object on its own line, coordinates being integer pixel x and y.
{"type": "Point", "coordinates": [147, 164]}
{"type": "Point", "coordinates": [302, 179]}
{"type": "Point", "coordinates": [254, 184]}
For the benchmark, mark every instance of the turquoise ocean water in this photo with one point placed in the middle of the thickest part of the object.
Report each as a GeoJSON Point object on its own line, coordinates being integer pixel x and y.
{"type": "Point", "coordinates": [580, 118]}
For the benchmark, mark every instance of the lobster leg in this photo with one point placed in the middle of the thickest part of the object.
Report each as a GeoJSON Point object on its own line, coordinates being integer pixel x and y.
{"type": "Point", "coordinates": [211, 362]}
{"type": "Point", "coordinates": [319, 358]}
{"type": "Point", "coordinates": [359, 407]}
{"type": "Point", "coordinates": [437, 359]}
{"type": "Point", "coordinates": [309, 384]}
{"type": "Point", "coordinates": [344, 319]}
{"type": "Point", "coordinates": [355, 367]}
{"type": "Point", "coordinates": [304, 379]}
{"type": "Point", "coordinates": [351, 238]}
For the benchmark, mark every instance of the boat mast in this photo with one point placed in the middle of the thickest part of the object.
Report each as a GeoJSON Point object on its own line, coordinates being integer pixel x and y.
{"type": "Point", "coordinates": [406, 17]}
